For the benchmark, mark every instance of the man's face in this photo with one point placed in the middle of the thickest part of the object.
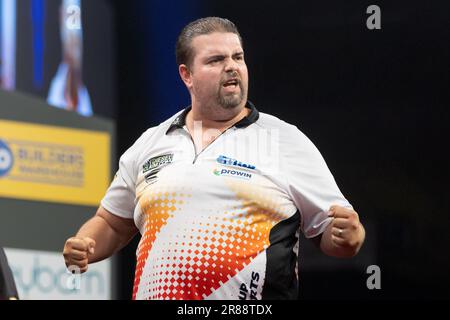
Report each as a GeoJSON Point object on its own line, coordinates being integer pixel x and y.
{"type": "Point", "coordinates": [218, 73]}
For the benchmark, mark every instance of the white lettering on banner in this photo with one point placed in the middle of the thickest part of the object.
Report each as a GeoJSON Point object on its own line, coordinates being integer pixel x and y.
{"type": "Point", "coordinates": [43, 276]}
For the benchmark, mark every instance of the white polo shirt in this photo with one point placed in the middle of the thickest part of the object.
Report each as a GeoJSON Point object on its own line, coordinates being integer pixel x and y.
{"type": "Point", "coordinates": [222, 224]}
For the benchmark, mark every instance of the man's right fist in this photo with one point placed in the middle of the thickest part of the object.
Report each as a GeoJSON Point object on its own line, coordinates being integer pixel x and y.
{"type": "Point", "coordinates": [77, 251]}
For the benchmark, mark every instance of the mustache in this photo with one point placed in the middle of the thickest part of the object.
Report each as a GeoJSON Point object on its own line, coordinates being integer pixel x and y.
{"type": "Point", "coordinates": [237, 79]}
{"type": "Point", "coordinates": [232, 76]}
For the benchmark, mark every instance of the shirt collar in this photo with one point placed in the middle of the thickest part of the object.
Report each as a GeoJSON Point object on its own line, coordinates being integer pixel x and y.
{"type": "Point", "coordinates": [252, 117]}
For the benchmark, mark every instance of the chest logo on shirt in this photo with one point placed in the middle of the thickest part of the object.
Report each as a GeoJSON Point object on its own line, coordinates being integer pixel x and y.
{"type": "Point", "coordinates": [226, 161]}
{"type": "Point", "coordinates": [232, 173]}
{"type": "Point", "coordinates": [151, 168]}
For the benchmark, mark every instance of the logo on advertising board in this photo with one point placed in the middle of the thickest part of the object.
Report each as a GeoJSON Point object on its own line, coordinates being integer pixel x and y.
{"type": "Point", "coordinates": [43, 275]}
{"type": "Point", "coordinates": [6, 159]}
{"type": "Point", "coordinates": [44, 162]}
{"type": "Point", "coordinates": [53, 164]}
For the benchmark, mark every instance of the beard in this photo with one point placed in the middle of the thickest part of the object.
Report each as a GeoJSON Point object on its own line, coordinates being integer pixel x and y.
{"type": "Point", "coordinates": [230, 101]}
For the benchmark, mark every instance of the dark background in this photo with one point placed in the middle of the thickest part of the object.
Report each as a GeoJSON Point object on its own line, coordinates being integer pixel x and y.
{"type": "Point", "coordinates": [373, 101]}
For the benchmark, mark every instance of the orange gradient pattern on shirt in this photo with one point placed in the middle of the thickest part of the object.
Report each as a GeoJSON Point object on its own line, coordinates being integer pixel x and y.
{"type": "Point", "coordinates": [203, 251]}
{"type": "Point", "coordinates": [157, 208]}
{"type": "Point", "coordinates": [212, 256]}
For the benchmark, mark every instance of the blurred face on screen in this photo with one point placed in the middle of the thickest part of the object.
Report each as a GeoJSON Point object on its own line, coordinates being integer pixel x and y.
{"type": "Point", "coordinates": [218, 74]}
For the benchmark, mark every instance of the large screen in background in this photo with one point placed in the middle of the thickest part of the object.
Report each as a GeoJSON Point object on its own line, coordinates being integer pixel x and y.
{"type": "Point", "coordinates": [61, 51]}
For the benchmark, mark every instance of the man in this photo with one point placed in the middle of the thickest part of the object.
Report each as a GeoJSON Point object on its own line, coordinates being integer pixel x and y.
{"type": "Point", "coordinates": [218, 219]}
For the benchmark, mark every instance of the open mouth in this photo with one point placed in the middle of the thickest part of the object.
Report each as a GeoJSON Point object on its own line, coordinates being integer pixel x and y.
{"type": "Point", "coordinates": [232, 83]}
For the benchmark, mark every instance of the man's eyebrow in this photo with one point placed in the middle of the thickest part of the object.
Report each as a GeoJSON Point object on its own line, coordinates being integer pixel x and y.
{"type": "Point", "coordinates": [222, 56]}
{"type": "Point", "coordinates": [215, 56]}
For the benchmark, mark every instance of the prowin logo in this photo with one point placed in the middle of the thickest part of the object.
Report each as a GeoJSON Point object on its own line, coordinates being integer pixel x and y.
{"type": "Point", "coordinates": [233, 173]}
{"type": "Point", "coordinates": [234, 163]}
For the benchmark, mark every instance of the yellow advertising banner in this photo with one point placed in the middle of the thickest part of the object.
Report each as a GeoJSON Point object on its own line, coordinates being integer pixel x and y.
{"type": "Point", "coordinates": [53, 164]}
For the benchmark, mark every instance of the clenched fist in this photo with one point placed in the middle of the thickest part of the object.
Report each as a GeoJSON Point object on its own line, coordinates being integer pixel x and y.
{"type": "Point", "coordinates": [347, 231]}
{"type": "Point", "coordinates": [77, 251]}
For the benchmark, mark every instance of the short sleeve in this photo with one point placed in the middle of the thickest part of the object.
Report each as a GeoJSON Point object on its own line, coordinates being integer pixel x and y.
{"type": "Point", "coordinates": [121, 195]}
{"type": "Point", "coordinates": [311, 185]}
{"type": "Point", "coordinates": [119, 199]}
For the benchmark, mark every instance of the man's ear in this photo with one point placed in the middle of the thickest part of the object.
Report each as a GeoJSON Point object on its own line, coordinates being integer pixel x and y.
{"type": "Point", "coordinates": [185, 75]}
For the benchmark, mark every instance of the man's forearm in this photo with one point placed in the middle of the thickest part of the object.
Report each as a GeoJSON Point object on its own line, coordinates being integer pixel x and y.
{"type": "Point", "coordinates": [98, 239]}
{"type": "Point", "coordinates": [108, 241]}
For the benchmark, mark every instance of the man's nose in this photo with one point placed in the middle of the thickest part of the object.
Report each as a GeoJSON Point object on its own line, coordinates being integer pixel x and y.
{"type": "Point", "coordinates": [231, 66]}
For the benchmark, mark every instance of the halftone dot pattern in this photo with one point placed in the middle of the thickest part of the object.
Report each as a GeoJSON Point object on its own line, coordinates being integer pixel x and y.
{"type": "Point", "coordinates": [196, 254]}
{"type": "Point", "coordinates": [207, 254]}
{"type": "Point", "coordinates": [157, 207]}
